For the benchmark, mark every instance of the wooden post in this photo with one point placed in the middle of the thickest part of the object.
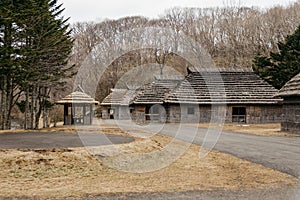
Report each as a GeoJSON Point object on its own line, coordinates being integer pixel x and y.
{"type": "Point", "coordinates": [66, 108]}
{"type": "Point", "coordinates": [84, 113]}
{"type": "Point", "coordinates": [91, 114]}
{"type": "Point", "coordinates": [72, 113]}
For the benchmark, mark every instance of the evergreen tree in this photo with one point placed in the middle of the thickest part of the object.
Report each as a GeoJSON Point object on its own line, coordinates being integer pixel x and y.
{"type": "Point", "coordinates": [280, 67]}
{"type": "Point", "coordinates": [48, 47]}
{"type": "Point", "coordinates": [35, 42]}
{"type": "Point", "coordinates": [9, 61]}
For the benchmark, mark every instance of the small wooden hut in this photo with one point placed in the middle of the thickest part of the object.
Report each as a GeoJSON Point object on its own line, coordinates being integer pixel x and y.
{"type": "Point", "coordinates": [78, 108]}
{"type": "Point", "coordinates": [290, 92]}
{"type": "Point", "coordinates": [149, 103]}
{"type": "Point", "coordinates": [117, 104]}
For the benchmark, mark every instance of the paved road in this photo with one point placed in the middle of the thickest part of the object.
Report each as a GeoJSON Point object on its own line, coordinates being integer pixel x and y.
{"type": "Point", "coordinates": [280, 153]}
{"type": "Point", "coordinates": [255, 194]}
{"type": "Point", "coordinates": [58, 140]}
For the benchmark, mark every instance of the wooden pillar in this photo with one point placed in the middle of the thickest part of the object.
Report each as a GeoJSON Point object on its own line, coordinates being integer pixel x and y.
{"type": "Point", "coordinates": [66, 113]}
{"type": "Point", "coordinates": [91, 114]}
{"type": "Point", "coordinates": [72, 113]}
{"type": "Point", "coordinates": [84, 113]}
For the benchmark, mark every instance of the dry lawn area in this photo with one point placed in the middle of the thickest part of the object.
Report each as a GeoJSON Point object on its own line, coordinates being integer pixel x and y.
{"type": "Point", "coordinates": [59, 173]}
{"type": "Point", "coordinates": [254, 129]}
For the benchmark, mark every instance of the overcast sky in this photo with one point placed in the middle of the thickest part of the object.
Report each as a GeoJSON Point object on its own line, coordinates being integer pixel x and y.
{"type": "Point", "coordinates": [97, 10]}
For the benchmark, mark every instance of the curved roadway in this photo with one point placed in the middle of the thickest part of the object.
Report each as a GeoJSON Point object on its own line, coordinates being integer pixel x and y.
{"type": "Point", "coordinates": [279, 153]}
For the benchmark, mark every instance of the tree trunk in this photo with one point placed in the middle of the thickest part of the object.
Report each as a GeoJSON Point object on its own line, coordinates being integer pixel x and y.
{"type": "Point", "coordinates": [26, 113]}
{"type": "Point", "coordinates": [45, 119]}
{"type": "Point", "coordinates": [31, 126]}
{"type": "Point", "coordinates": [37, 117]}
{"type": "Point", "coordinates": [37, 110]}
{"type": "Point", "coordinates": [9, 103]}
{"type": "Point", "coordinates": [44, 108]}
{"type": "Point", "coordinates": [3, 101]}
{"type": "Point", "coordinates": [2, 109]}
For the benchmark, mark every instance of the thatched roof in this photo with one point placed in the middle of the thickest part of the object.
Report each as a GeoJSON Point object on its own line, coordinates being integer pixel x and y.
{"type": "Point", "coordinates": [77, 97]}
{"type": "Point", "coordinates": [219, 69]}
{"type": "Point", "coordinates": [240, 87]}
{"type": "Point", "coordinates": [226, 85]}
{"type": "Point", "coordinates": [155, 92]}
{"type": "Point", "coordinates": [291, 88]}
{"type": "Point", "coordinates": [119, 97]}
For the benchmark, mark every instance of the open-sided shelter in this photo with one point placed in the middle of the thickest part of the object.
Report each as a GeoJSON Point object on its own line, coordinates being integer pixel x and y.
{"type": "Point", "coordinates": [78, 108]}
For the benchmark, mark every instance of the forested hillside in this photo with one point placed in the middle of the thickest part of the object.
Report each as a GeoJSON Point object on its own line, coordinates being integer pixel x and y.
{"type": "Point", "coordinates": [232, 35]}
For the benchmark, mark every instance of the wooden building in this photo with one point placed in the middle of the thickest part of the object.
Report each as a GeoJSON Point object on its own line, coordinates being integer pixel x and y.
{"type": "Point", "coordinates": [200, 96]}
{"type": "Point", "coordinates": [149, 103]}
{"type": "Point", "coordinates": [78, 108]}
{"type": "Point", "coordinates": [244, 95]}
{"type": "Point", "coordinates": [290, 92]}
{"type": "Point", "coordinates": [117, 104]}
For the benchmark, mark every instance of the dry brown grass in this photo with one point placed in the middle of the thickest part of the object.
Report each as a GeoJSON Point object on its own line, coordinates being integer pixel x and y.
{"type": "Point", "coordinates": [102, 127]}
{"type": "Point", "coordinates": [254, 129]}
{"type": "Point", "coordinates": [57, 173]}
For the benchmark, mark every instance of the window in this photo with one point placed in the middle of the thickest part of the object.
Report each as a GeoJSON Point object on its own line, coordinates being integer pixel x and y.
{"type": "Point", "coordinates": [238, 111]}
{"type": "Point", "coordinates": [111, 111]}
{"type": "Point", "coordinates": [191, 111]}
{"type": "Point", "coordinates": [239, 114]}
{"type": "Point", "coordinates": [154, 109]}
{"type": "Point", "coordinates": [131, 110]}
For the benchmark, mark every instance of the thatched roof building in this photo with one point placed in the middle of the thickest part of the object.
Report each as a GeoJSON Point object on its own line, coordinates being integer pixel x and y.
{"type": "Point", "coordinates": [291, 88]}
{"type": "Point", "coordinates": [155, 92]}
{"type": "Point", "coordinates": [78, 97]}
{"type": "Point", "coordinates": [290, 92]}
{"type": "Point", "coordinates": [116, 104]}
{"type": "Point", "coordinates": [246, 96]}
{"type": "Point", "coordinates": [119, 97]}
{"type": "Point", "coordinates": [228, 86]}
{"type": "Point", "coordinates": [78, 108]}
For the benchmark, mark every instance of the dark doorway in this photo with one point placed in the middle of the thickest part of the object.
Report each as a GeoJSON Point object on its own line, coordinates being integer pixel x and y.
{"type": "Point", "coordinates": [239, 114]}
{"type": "Point", "coordinates": [111, 113]}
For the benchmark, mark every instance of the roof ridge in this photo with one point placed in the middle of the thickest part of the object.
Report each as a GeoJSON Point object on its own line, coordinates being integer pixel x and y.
{"type": "Point", "coordinates": [79, 89]}
{"type": "Point", "coordinates": [291, 88]}
{"type": "Point", "coordinates": [194, 69]}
